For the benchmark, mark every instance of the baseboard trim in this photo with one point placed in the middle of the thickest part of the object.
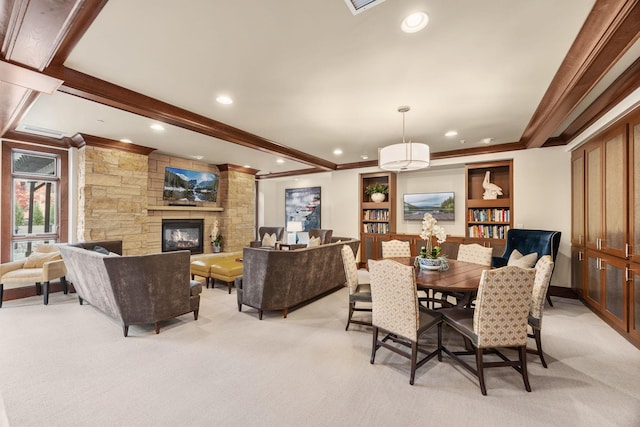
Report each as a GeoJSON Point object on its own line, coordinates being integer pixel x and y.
{"type": "Point", "coordinates": [559, 291]}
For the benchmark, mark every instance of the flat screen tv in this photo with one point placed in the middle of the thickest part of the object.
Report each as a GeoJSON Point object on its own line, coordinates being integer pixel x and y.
{"type": "Point", "coordinates": [440, 205]}
{"type": "Point", "coordinates": [185, 186]}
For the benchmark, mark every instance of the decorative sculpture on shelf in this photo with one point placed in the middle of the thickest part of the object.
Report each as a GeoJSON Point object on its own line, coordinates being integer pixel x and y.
{"type": "Point", "coordinates": [491, 191]}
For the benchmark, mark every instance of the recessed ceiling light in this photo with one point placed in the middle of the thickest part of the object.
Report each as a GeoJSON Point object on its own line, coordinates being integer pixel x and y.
{"type": "Point", "coordinates": [451, 133]}
{"type": "Point", "coordinates": [364, 157]}
{"type": "Point", "coordinates": [247, 166]}
{"type": "Point", "coordinates": [224, 99]}
{"type": "Point", "coordinates": [128, 141]}
{"type": "Point", "coordinates": [279, 161]}
{"type": "Point", "coordinates": [197, 157]}
{"type": "Point", "coordinates": [157, 126]}
{"type": "Point", "coordinates": [337, 151]}
{"type": "Point", "coordinates": [486, 140]}
{"type": "Point", "coordinates": [414, 22]}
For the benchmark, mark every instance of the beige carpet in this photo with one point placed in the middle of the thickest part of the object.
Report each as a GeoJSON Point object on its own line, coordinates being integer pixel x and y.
{"type": "Point", "coordinates": [69, 365]}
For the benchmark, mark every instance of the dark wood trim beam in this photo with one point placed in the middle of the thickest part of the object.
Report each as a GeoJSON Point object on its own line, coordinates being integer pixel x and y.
{"type": "Point", "coordinates": [228, 167]}
{"type": "Point", "coordinates": [624, 85]}
{"type": "Point", "coordinates": [93, 89]}
{"type": "Point", "coordinates": [82, 139]}
{"type": "Point", "coordinates": [36, 28]}
{"type": "Point", "coordinates": [37, 139]}
{"type": "Point", "coordinates": [610, 29]}
{"type": "Point", "coordinates": [26, 78]}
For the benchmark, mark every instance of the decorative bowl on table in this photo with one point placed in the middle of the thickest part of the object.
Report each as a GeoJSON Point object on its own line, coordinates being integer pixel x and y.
{"type": "Point", "coordinates": [429, 263]}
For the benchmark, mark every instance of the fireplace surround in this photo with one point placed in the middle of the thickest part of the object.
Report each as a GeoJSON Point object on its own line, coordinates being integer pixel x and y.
{"type": "Point", "coordinates": [181, 234]}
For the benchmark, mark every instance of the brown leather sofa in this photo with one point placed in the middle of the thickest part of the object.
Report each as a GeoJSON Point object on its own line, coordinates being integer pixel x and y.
{"type": "Point", "coordinates": [134, 290]}
{"type": "Point", "coordinates": [281, 280]}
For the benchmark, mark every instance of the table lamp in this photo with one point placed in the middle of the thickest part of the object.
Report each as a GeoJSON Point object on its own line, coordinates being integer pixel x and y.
{"type": "Point", "coordinates": [292, 228]}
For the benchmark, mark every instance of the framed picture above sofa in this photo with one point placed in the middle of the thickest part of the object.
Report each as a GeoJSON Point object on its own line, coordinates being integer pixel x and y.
{"type": "Point", "coordinates": [302, 205]}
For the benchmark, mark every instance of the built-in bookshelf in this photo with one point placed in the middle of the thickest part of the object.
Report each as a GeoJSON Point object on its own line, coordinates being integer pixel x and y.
{"type": "Point", "coordinates": [489, 218]}
{"type": "Point", "coordinates": [377, 219]}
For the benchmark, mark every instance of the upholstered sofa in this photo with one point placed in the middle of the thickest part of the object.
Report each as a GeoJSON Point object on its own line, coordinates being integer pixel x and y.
{"type": "Point", "coordinates": [134, 290]}
{"type": "Point", "coordinates": [225, 266]}
{"type": "Point", "coordinates": [281, 280]}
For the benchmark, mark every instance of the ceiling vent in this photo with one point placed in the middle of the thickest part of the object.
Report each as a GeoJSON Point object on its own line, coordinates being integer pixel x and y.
{"type": "Point", "coordinates": [40, 131]}
{"type": "Point", "coordinates": [357, 6]}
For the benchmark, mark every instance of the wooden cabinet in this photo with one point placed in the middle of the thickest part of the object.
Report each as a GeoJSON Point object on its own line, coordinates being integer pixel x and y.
{"type": "Point", "coordinates": [606, 192]}
{"type": "Point", "coordinates": [605, 225]}
{"type": "Point", "coordinates": [606, 286]}
{"type": "Point", "coordinates": [377, 220]}
{"type": "Point", "coordinates": [577, 202]}
{"type": "Point", "coordinates": [489, 219]}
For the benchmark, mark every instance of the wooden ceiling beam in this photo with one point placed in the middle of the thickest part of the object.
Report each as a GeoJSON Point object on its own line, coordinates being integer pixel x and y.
{"type": "Point", "coordinates": [610, 29]}
{"type": "Point", "coordinates": [94, 89]}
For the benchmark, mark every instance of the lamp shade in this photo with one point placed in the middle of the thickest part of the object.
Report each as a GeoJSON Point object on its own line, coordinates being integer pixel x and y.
{"type": "Point", "coordinates": [294, 226]}
{"type": "Point", "coordinates": [405, 156]}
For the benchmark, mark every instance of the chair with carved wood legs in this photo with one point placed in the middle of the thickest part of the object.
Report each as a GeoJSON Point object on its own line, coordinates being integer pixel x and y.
{"type": "Point", "coordinates": [397, 312]}
{"type": "Point", "coordinates": [499, 320]}
{"type": "Point", "coordinates": [359, 289]}
{"type": "Point", "coordinates": [544, 269]}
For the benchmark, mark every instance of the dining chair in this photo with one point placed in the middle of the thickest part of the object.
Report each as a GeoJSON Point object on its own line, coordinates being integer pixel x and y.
{"type": "Point", "coordinates": [499, 320]}
{"type": "Point", "coordinates": [475, 253]}
{"type": "Point", "coordinates": [544, 269]}
{"type": "Point", "coordinates": [396, 310]}
{"type": "Point", "coordinates": [395, 248]}
{"type": "Point", "coordinates": [359, 289]}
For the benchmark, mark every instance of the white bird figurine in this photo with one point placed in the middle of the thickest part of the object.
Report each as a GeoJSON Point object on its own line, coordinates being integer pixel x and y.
{"type": "Point", "coordinates": [491, 191]}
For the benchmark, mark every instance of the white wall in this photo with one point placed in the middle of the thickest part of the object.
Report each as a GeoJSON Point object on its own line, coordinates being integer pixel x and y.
{"type": "Point", "coordinates": [542, 196]}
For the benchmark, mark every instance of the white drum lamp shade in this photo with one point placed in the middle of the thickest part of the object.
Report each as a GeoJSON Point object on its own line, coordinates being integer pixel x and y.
{"type": "Point", "coordinates": [405, 156]}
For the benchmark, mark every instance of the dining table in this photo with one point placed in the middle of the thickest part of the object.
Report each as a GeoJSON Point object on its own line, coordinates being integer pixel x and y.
{"type": "Point", "coordinates": [461, 280]}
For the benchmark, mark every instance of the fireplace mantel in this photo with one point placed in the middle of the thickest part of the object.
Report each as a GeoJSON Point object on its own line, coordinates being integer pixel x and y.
{"type": "Point", "coordinates": [186, 208]}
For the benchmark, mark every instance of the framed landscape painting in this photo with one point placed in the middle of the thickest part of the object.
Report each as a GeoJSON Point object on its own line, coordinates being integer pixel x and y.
{"type": "Point", "coordinates": [302, 205]}
{"type": "Point", "coordinates": [440, 205]}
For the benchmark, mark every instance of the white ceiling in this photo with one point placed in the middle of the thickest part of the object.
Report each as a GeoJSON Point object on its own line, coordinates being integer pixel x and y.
{"type": "Point", "coordinates": [312, 76]}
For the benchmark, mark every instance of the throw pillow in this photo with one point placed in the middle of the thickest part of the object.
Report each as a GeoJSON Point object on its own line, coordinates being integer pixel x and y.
{"type": "Point", "coordinates": [314, 241]}
{"type": "Point", "coordinates": [269, 239]}
{"type": "Point", "coordinates": [37, 259]}
{"type": "Point", "coordinates": [101, 250]}
{"type": "Point", "coordinates": [524, 261]}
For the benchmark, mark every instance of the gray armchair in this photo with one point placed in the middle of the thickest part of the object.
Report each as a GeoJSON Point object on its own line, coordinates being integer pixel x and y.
{"type": "Point", "coordinates": [278, 231]}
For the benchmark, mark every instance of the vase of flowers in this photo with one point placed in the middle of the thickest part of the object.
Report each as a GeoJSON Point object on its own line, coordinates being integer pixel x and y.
{"type": "Point", "coordinates": [430, 256]}
{"type": "Point", "coordinates": [216, 238]}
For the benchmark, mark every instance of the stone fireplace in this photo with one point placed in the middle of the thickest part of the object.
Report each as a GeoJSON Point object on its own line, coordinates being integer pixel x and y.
{"type": "Point", "coordinates": [181, 234]}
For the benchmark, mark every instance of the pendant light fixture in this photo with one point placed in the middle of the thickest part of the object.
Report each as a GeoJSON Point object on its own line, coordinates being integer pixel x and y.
{"type": "Point", "coordinates": [406, 156]}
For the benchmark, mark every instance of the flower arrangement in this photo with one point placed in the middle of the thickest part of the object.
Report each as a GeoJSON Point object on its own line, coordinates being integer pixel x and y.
{"type": "Point", "coordinates": [430, 229]}
{"type": "Point", "coordinates": [216, 237]}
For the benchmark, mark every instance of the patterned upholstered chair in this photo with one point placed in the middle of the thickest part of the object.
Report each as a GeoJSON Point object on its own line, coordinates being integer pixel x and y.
{"type": "Point", "coordinates": [396, 311]}
{"type": "Point", "coordinates": [43, 265]}
{"type": "Point", "coordinates": [395, 248]}
{"type": "Point", "coordinates": [499, 320]}
{"type": "Point", "coordinates": [544, 269]}
{"type": "Point", "coordinates": [475, 253]}
{"type": "Point", "coordinates": [359, 291]}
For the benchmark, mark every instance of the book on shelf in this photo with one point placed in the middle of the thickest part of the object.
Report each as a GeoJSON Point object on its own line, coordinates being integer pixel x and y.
{"type": "Point", "coordinates": [376, 228]}
{"type": "Point", "coordinates": [488, 231]}
{"type": "Point", "coordinates": [376, 215]}
{"type": "Point", "coordinates": [488, 215]}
